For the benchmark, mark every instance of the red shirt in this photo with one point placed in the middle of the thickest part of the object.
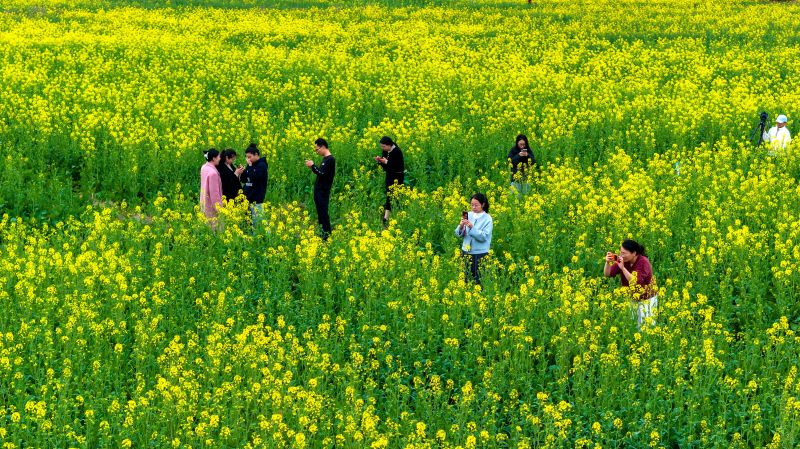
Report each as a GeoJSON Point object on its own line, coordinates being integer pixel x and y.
{"type": "Point", "coordinates": [644, 272]}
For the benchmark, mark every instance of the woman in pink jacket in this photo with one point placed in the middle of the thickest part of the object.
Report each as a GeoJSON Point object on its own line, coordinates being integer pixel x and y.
{"type": "Point", "coordinates": [210, 185]}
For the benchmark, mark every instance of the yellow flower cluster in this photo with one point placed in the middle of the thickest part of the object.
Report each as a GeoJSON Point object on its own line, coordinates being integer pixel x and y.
{"type": "Point", "coordinates": [149, 325]}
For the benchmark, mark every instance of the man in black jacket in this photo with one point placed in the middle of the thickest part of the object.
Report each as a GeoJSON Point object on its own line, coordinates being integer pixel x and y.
{"type": "Point", "coordinates": [322, 186]}
{"type": "Point", "coordinates": [392, 162]}
{"type": "Point", "coordinates": [254, 182]}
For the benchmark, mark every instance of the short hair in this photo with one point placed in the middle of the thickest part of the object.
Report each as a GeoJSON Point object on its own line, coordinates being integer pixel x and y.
{"type": "Point", "coordinates": [386, 140]}
{"type": "Point", "coordinates": [252, 149]}
{"type": "Point", "coordinates": [321, 142]}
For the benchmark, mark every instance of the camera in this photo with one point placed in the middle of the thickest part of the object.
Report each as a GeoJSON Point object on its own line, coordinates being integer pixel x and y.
{"type": "Point", "coordinates": [757, 134]}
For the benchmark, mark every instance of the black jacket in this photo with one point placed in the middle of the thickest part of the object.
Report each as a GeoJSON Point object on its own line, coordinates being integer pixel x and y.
{"type": "Point", "coordinates": [519, 163]}
{"type": "Point", "coordinates": [255, 181]}
{"type": "Point", "coordinates": [230, 182]}
{"type": "Point", "coordinates": [325, 173]}
{"type": "Point", "coordinates": [394, 167]}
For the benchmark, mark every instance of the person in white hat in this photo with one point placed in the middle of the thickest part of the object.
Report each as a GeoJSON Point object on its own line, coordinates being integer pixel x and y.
{"type": "Point", "coordinates": [778, 137]}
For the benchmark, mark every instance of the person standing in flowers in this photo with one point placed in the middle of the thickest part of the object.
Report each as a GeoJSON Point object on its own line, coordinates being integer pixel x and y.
{"type": "Point", "coordinates": [521, 157]}
{"type": "Point", "coordinates": [632, 264]}
{"type": "Point", "coordinates": [391, 160]}
{"type": "Point", "coordinates": [475, 230]}
{"type": "Point", "coordinates": [210, 186]}
{"type": "Point", "coordinates": [255, 181]}
{"type": "Point", "coordinates": [231, 185]}
{"type": "Point", "coordinates": [323, 185]}
{"type": "Point", "coordinates": [778, 137]}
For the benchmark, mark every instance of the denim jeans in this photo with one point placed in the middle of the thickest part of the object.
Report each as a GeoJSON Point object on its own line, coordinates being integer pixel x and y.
{"type": "Point", "coordinates": [472, 266]}
{"type": "Point", "coordinates": [256, 214]}
{"type": "Point", "coordinates": [522, 188]}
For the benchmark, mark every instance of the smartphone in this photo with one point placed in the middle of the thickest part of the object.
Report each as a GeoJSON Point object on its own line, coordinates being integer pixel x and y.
{"type": "Point", "coordinates": [464, 214]}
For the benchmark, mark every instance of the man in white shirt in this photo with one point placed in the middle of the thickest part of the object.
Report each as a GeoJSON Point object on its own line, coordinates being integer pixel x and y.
{"type": "Point", "coordinates": [778, 137]}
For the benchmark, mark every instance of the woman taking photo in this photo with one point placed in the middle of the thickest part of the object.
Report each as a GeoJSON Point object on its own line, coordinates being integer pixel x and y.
{"type": "Point", "coordinates": [475, 230]}
{"type": "Point", "coordinates": [632, 262]}
{"type": "Point", "coordinates": [210, 186]}
{"type": "Point", "coordinates": [229, 173]}
{"type": "Point", "coordinates": [521, 157]}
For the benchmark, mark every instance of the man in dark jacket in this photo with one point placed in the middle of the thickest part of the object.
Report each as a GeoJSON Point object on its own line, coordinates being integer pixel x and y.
{"type": "Point", "coordinates": [322, 186]}
{"type": "Point", "coordinates": [392, 162]}
{"type": "Point", "coordinates": [254, 182]}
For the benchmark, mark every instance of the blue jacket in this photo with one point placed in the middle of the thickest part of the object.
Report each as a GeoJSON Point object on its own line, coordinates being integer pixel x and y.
{"type": "Point", "coordinates": [478, 239]}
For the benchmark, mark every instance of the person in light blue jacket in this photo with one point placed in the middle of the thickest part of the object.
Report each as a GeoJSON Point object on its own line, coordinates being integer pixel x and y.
{"type": "Point", "coordinates": [475, 230]}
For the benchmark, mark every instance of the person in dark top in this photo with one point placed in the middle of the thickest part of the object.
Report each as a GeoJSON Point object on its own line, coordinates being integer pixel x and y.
{"type": "Point", "coordinates": [254, 180]}
{"type": "Point", "coordinates": [322, 186]}
{"type": "Point", "coordinates": [522, 158]}
{"type": "Point", "coordinates": [231, 185]}
{"type": "Point", "coordinates": [391, 160]}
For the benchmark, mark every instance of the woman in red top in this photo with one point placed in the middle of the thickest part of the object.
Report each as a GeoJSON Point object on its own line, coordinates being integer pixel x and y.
{"type": "Point", "coordinates": [632, 261]}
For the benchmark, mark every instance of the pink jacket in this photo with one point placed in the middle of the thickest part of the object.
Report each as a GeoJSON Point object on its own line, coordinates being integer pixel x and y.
{"type": "Point", "coordinates": [210, 189]}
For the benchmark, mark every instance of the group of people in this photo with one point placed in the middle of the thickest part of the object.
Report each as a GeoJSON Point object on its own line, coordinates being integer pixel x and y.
{"type": "Point", "coordinates": [221, 178]}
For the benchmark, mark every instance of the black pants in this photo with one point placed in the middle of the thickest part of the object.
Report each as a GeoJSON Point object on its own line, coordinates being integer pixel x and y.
{"type": "Point", "coordinates": [472, 263]}
{"type": "Point", "coordinates": [389, 183]}
{"type": "Point", "coordinates": [322, 199]}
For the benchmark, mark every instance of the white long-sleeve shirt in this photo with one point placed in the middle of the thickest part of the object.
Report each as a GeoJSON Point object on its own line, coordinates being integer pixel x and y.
{"type": "Point", "coordinates": [777, 138]}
